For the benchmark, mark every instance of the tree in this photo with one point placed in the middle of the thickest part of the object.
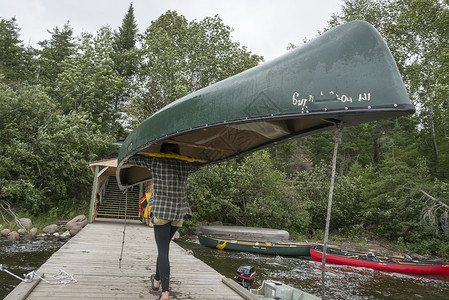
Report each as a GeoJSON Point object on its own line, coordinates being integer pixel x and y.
{"type": "Point", "coordinates": [178, 57]}
{"type": "Point", "coordinates": [124, 42]}
{"type": "Point", "coordinates": [416, 32]}
{"type": "Point", "coordinates": [424, 34]}
{"type": "Point", "coordinates": [54, 51]}
{"type": "Point", "coordinates": [14, 57]}
{"type": "Point", "coordinates": [125, 58]}
{"type": "Point", "coordinates": [248, 191]}
{"type": "Point", "coordinates": [391, 160]}
{"type": "Point", "coordinates": [89, 83]}
{"type": "Point", "coordinates": [44, 153]}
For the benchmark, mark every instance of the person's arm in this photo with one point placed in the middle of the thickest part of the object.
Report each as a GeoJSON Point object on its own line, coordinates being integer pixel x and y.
{"type": "Point", "coordinates": [139, 160]}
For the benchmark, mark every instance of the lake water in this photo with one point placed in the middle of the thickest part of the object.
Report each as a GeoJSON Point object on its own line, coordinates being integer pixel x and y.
{"type": "Point", "coordinates": [22, 257]}
{"type": "Point", "coordinates": [342, 282]}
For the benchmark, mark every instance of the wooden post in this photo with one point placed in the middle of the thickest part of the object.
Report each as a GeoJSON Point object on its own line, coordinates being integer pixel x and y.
{"type": "Point", "coordinates": [93, 196]}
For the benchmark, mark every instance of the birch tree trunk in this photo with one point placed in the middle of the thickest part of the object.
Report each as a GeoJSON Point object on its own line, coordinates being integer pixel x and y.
{"type": "Point", "coordinates": [432, 131]}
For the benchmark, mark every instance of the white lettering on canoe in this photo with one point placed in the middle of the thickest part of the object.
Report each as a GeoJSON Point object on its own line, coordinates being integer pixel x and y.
{"type": "Point", "coordinates": [344, 98]}
{"type": "Point", "coordinates": [302, 100]}
{"type": "Point", "coordinates": [365, 97]}
{"type": "Point", "coordinates": [298, 101]}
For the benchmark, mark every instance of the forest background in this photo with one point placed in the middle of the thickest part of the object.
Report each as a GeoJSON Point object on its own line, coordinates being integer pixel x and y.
{"type": "Point", "coordinates": [68, 101]}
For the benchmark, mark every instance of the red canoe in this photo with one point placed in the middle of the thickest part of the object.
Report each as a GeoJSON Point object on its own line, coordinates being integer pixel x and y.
{"type": "Point", "coordinates": [402, 267]}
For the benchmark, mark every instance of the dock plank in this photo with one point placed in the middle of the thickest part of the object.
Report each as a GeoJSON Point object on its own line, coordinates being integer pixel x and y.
{"type": "Point", "coordinates": [92, 257]}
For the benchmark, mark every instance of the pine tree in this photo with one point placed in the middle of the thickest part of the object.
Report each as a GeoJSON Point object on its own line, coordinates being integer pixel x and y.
{"type": "Point", "coordinates": [89, 83]}
{"type": "Point", "coordinates": [53, 53]}
{"type": "Point", "coordinates": [14, 57]}
{"type": "Point", "coordinates": [124, 42]}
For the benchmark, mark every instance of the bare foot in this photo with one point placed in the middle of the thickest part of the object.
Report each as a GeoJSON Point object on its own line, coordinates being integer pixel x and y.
{"type": "Point", "coordinates": [165, 296]}
{"type": "Point", "coordinates": [156, 283]}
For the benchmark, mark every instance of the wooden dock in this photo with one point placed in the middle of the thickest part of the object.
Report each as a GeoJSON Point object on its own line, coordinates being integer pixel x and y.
{"type": "Point", "coordinates": [92, 257]}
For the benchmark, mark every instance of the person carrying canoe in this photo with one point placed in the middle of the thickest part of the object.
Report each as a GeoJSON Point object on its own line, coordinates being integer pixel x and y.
{"type": "Point", "coordinates": [169, 171]}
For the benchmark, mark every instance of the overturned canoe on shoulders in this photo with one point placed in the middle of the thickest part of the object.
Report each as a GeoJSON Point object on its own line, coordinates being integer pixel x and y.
{"type": "Point", "coordinates": [263, 247]}
{"type": "Point", "coordinates": [345, 76]}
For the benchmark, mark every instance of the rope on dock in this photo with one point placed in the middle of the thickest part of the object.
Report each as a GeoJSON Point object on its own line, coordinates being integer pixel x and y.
{"type": "Point", "coordinates": [337, 137]}
{"type": "Point", "coordinates": [61, 278]}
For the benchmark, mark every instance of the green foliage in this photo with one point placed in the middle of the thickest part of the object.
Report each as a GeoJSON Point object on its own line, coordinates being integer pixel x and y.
{"type": "Point", "coordinates": [248, 191]}
{"type": "Point", "coordinates": [124, 42]}
{"type": "Point", "coordinates": [178, 57]}
{"type": "Point", "coordinates": [44, 154]}
{"type": "Point", "coordinates": [435, 213]}
{"type": "Point", "coordinates": [14, 57]}
{"type": "Point", "coordinates": [89, 84]}
{"type": "Point", "coordinates": [48, 63]}
{"type": "Point", "coordinates": [313, 188]}
{"type": "Point", "coordinates": [416, 32]}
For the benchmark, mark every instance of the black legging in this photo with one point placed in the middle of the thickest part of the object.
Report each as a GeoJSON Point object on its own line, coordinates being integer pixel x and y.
{"type": "Point", "coordinates": [163, 235]}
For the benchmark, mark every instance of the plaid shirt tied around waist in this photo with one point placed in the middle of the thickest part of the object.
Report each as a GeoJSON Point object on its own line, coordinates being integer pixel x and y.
{"type": "Point", "coordinates": [170, 185]}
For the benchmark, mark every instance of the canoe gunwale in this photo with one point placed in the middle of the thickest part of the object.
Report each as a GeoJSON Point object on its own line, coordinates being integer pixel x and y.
{"type": "Point", "coordinates": [329, 117]}
{"type": "Point", "coordinates": [319, 114]}
{"type": "Point", "coordinates": [250, 242]}
{"type": "Point", "coordinates": [244, 233]}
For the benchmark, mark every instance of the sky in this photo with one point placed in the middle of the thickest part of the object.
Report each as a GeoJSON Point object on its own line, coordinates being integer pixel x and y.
{"type": "Point", "coordinates": [265, 27]}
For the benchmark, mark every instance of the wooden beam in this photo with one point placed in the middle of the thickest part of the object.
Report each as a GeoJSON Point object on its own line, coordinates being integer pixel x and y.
{"type": "Point", "coordinates": [102, 171]}
{"type": "Point", "coordinates": [93, 196]}
{"type": "Point", "coordinates": [24, 289]}
{"type": "Point", "coordinates": [239, 289]}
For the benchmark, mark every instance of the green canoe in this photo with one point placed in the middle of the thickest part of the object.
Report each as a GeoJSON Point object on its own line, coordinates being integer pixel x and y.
{"type": "Point", "coordinates": [346, 75]}
{"type": "Point", "coordinates": [244, 233]}
{"type": "Point", "coordinates": [265, 247]}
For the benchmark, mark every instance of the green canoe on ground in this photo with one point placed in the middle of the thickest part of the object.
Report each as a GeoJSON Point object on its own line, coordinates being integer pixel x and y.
{"type": "Point", "coordinates": [347, 75]}
{"type": "Point", "coordinates": [245, 233]}
{"type": "Point", "coordinates": [263, 247]}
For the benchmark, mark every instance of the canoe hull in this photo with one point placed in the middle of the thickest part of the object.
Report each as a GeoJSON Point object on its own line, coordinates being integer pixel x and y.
{"type": "Point", "coordinates": [246, 233]}
{"type": "Point", "coordinates": [392, 267]}
{"type": "Point", "coordinates": [260, 248]}
{"type": "Point", "coordinates": [347, 75]}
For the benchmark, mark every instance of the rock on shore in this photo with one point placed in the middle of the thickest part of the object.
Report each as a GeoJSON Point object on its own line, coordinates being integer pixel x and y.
{"type": "Point", "coordinates": [13, 236]}
{"type": "Point", "coordinates": [62, 230]}
{"type": "Point", "coordinates": [5, 232]}
{"type": "Point", "coordinates": [76, 224]}
{"type": "Point", "coordinates": [25, 222]}
{"type": "Point", "coordinates": [50, 229]}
